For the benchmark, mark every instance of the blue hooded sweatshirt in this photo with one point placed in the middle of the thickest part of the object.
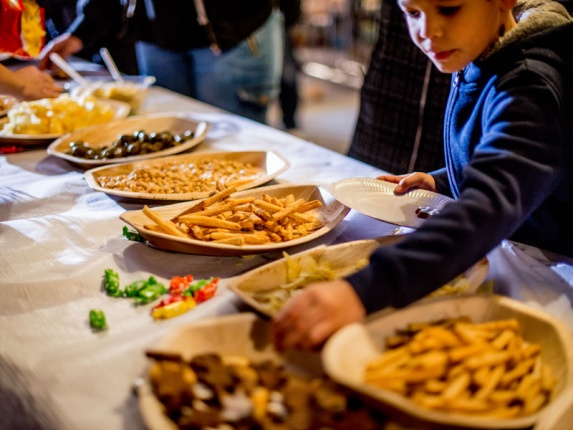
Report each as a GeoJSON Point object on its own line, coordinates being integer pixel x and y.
{"type": "Point", "coordinates": [508, 138]}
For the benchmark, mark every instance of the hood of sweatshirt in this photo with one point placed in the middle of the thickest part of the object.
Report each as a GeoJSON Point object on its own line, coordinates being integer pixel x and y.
{"type": "Point", "coordinates": [533, 17]}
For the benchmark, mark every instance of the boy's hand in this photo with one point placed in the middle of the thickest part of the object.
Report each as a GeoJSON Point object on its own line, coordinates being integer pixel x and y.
{"type": "Point", "coordinates": [409, 181]}
{"type": "Point", "coordinates": [312, 315]}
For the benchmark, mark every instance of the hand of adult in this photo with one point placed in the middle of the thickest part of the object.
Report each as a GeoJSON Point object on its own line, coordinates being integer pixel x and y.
{"type": "Point", "coordinates": [65, 46]}
{"type": "Point", "coordinates": [37, 84]}
{"type": "Point", "coordinates": [311, 316]}
{"type": "Point", "coordinates": [411, 180]}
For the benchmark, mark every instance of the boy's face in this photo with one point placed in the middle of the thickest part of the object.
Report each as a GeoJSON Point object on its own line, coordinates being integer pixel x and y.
{"type": "Point", "coordinates": [453, 33]}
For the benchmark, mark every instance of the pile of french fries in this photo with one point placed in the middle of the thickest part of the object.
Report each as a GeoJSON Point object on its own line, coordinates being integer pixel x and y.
{"type": "Point", "coordinates": [485, 370]}
{"type": "Point", "coordinates": [249, 220]}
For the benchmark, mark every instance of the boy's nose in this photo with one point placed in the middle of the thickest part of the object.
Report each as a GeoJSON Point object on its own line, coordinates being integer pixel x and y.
{"type": "Point", "coordinates": [430, 28]}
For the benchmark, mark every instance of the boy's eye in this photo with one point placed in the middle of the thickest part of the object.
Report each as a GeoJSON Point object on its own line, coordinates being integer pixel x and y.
{"type": "Point", "coordinates": [448, 11]}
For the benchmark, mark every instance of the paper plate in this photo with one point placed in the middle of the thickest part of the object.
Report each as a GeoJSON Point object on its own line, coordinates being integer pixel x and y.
{"type": "Point", "coordinates": [376, 199]}
{"type": "Point", "coordinates": [269, 164]}
{"type": "Point", "coordinates": [340, 260]}
{"type": "Point", "coordinates": [243, 335]}
{"type": "Point", "coordinates": [331, 213]}
{"type": "Point", "coordinates": [558, 415]}
{"type": "Point", "coordinates": [348, 351]}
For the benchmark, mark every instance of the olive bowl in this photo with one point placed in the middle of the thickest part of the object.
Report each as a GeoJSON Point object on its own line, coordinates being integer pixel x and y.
{"type": "Point", "coordinates": [167, 134]}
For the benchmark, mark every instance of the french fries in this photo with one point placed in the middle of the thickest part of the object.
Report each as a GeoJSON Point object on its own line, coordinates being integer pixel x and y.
{"type": "Point", "coordinates": [485, 370]}
{"type": "Point", "coordinates": [239, 221]}
{"type": "Point", "coordinates": [165, 225]}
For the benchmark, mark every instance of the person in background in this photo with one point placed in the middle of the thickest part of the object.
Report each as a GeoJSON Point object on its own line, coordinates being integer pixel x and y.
{"type": "Point", "coordinates": [509, 158]}
{"type": "Point", "coordinates": [402, 103]}
{"type": "Point", "coordinates": [27, 83]}
{"type": "Point", "coordinates": [289, 96]}
{"type": "Point", "coordinates": [22, 33]}
{"type": "Point", "coordinates": [222, 52]}
{"type": "Point", "coordinates": [61, 14]}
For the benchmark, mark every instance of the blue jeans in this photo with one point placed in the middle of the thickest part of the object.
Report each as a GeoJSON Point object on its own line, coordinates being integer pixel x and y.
{"type": "Point", "coordinates": [242, 80]}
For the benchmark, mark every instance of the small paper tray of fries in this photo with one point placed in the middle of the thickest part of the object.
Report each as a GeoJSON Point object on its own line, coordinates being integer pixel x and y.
{"type": "Point", "coordinates": [267, 288]}
{"type": "Point", "coordinates": [486, 362]}
{"type": "Point", "coordinates": [231, 223]}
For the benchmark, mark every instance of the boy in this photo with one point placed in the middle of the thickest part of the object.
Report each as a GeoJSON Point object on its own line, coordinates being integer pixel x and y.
{"type": "Point", "coordinates": [509, 157]}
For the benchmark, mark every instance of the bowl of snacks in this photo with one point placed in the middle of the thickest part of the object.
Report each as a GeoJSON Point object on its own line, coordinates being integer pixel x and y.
{"type": "Point", "coordinates": [224, 373]}
{"type": "Point", "coordinates": [186, 176]}
{"type": "Point", "coordinates": [479, 361]}
{"type": "Point", "coordinates": [234, 223]}
{"type": "Point", "coordinates": [136, 138]}
{"type": "Point", "coordinates": [269, 287]}
{"type": "Point", "coordinates": [43, 120]}
{"type": "Point", "coordinates": [132, 90]}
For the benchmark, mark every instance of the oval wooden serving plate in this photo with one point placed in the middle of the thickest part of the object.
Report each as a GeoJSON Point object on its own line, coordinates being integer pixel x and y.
{"type": "Point", "coordinates": [348, 351]}
{"type": "Point", "coordinates": [270, 163]}
{"type": "Point", "coordinates": [331, 212]}
{"type": "Point", "coordinates": [104, 134]}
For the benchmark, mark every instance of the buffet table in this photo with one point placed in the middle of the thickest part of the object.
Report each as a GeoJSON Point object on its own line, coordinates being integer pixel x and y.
{"type": "Point", "coordinates": [57, 236]}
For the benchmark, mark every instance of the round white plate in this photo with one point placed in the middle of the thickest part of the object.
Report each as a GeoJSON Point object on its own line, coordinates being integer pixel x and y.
{"type": "Point", "coordinates": [376, 198]}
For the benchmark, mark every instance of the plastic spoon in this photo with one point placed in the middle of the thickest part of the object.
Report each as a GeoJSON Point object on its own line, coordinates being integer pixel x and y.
{"type": "Point", "coordinates": [110, 64]}
{"type": "Point", "coordinates": [65, 66]}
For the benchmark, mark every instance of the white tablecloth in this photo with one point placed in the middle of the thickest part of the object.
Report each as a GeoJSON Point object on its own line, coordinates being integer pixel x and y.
{"type": "Point", "coordinates": [57, 236]}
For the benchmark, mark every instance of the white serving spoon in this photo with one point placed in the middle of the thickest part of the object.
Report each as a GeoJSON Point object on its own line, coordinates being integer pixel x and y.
{"type": "Point", "coordinates": [65, 66]}
{"type": "Point", "coordinates": [110, 64]}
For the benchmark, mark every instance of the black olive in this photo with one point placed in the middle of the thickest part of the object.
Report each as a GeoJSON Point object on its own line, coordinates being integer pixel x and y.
{"type": "Point", "coordinates": [106, 152]}
{"type": "Point", "coordinates": [157, 146]}
{"type": "Point", "coordinates": [78, 151]}
{"type": "Point", "coordinates": [90, 154]}
{"type": "Point", "coordinates": [127, 138]}
{"type": "Point", "coordinates": [145, 148]}
{"type": "Point", "coordinates": [134, 148]}
{"type": "Point", "coordinates": [119, 152]}
{"type": "Point", "coordinates": [154, 137]}
{"type": "Point", "coordinates": [142, 136]}
{"type": "Point", "coordinates": [116, 144]}
{"type": "Point", "coordinates": [166, 135]}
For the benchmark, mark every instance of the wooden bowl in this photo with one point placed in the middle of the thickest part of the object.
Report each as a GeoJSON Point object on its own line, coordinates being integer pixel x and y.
{"type": "Point", "coordinates": [344, 259]}
{"type": "Point", "coordinates": [242, 334]}
{"type": "Point", "coordinates": [104, 134]}
{"type": "Point", "coordinates": [270, 164]}
{"type": "Point", "coordinates": [348, 351]}
{"type": "Point", "coordinates": [331, 213]}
